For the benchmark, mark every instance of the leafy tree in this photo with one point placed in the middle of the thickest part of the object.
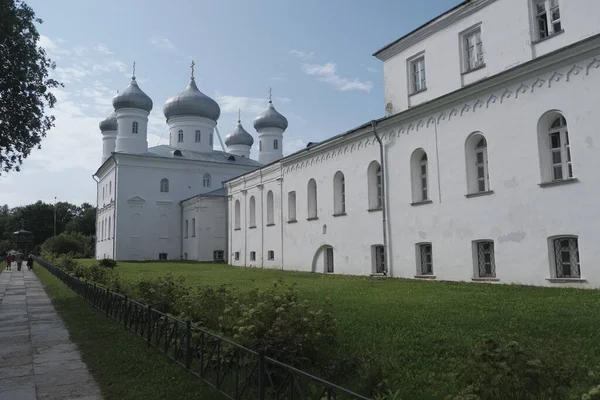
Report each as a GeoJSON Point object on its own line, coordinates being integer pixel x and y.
{"type": "Point", "coordinates": [24, 85]}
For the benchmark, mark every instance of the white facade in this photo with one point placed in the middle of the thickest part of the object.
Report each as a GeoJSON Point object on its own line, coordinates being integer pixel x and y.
{"type": "Point", "coordinates": [205, 227]}
{"type": "Point", "coordinates": [488, 174]}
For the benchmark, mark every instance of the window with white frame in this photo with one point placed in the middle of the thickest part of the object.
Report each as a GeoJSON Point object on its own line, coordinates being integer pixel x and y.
{"type": "Point", "coordinates": [560, 150]}
{"type": "Point", "coordinates": [270, 208]}
{"type": "Point", "coordinates": [378, 254]}
{"type": "Point", "coordinates": [198, 136]}
{"type": "Point", "coordinates": [180, 136]}
{"type": "Point", "coordinates": [164, 185]}
{"type": "Point", "coordinates": [237, 212]}
{"type": "Point", "coordinates": [218, 255]}
{"type": "Point", "coordinates": [252, 212]}
{"type": "Point", "coordinates": [339, 193]}
{"type": "Point", "coordinates": [312, 199]}
{"type": "Point", "coordinates": [424, 259]}
{"type": "Point", "coordinates": [134, 127]}
{"type": "Point", "coordinates": [478, 180]}
{"type": "Point", "coordinates": [566, 257]}
{"type": "Point", "coordinates": [206, 180]}
{"type": "Point", "coordinates": [484, 259]}
{"type": "Point", "coordinates": [292, 206]}
{"type": "Point", "coordinates": [186, 228]}
{"type": "Point", "coordinates": [193, 227]}
{"type": "Point", "coordinates": [275, 144]}
{"type": "Point", "coordinates": [375, 189]}
{"type": "Point", "coordinates": [420, 179]}
{"type": "Point", "coordinates": [547, 18]}
{"type": "Point", "coordinates": [252, 256]}
{"type": "Point", "coordinates": [473, 49]}
{"type": "Point", "coordinates": [417, 74]}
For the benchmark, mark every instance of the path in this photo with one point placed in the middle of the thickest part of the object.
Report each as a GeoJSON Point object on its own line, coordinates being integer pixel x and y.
{"type": "Point", "coordinates": [37, 359]}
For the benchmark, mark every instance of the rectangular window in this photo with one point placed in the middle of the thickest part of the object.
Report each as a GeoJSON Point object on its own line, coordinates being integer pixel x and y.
{"type": "Point", "coordinates": [486, 266]}
{"type": "Point", "coordinates": [218, 255]}
{"type": "Point", "coordinates": [417, 74]}
{"type": "Point", "coordinates": [162, 256]}
{"type": "Point", "coordinates": [186, 228]}
{"type": "Point", "coordinates": [180, 137]}
{"type": "Point", "coordinates": [379, 189]}
{"type": "Point", "coordinates": [237, 255]}
{"type": "Point", "coordinates": [275, 144]}
{"type": "Point", "coordinates": [424, 195]}
{"type": "Point", "coordinates": [566, 257]}
{"type": "Point", "coordinates": [252, 256]}
{"type": "Point", "coordinates": [379, 259]}
{"type": "Point", "coordinates": [271, 255]}
{"type": "Point", "coordinates": [198, 136]}
{"type": "Point", "coordinates": [193, 227]}
{"type": "Point", "coordinates": [329, 260]}
{"type": "Point", "coordinates": [291, 206]}
{"type": "Point", "coordinates": [425, 259]}
{"type": "Point", "coordinates": [473, 50]}
{"type": "Point", "coordinates": [547, 18]}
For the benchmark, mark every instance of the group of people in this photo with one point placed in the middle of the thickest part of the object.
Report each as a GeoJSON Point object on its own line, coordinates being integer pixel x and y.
{"type": "Point", "coordinates": [18, 257]}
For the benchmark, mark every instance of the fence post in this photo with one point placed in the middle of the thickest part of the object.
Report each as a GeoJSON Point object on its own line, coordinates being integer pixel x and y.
{"type": "Point", "coordinates": [125, 313]}
{"type": "Point", "coordinates": [262, 376]}
{"type": "Point", "coordinates": [107, 300]}
{"type": "Point", "coordinates": [188, 344]}
{"type": "Point", "coordinates": [94, 295]}
{"type": "Point", "coordinates": [148, 324]}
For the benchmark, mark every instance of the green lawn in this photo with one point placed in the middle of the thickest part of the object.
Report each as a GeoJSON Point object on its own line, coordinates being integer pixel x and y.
{"type": "Point", "coordinates": [424, 332]}
{"type": "Point", "coordinates": [122, 364]}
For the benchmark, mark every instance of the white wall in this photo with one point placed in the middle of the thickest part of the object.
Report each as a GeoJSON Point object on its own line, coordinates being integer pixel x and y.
{"type": "Point", "coordinates": [210, 215]}
{"type": "Point", "coordinates": [508, 40]}
{"type": "Point", "coordinates": [106, 210]}
{"type": "Point", "coordinates": [127, 141]}
{"type": "Point", "coordinates": [189, 126]}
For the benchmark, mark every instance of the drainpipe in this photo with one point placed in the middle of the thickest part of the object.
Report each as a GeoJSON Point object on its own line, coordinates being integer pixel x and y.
{"type": "Point", "coordinates": [245, 224]}
{"type": "Point", "coordinates": [262, 222]}
{"type": "Point", "coordinates": [383, 202]}
{"type": "Point", "coordinates": [181, 238]}
{"type": "Point", "coordinates": [115, 209]}
{"type": "Point", "coordinates": [97, 204]}
{"type": "Point", "coordinates": [281, 211]}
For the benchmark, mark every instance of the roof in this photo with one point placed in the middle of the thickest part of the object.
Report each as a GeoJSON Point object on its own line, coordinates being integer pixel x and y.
{"type": "Point", "coordinates": [221, 192]}
{"type": "Point", "coordinates": [165, 151]}
{"type": "Point", "coordinates": [462, 3]}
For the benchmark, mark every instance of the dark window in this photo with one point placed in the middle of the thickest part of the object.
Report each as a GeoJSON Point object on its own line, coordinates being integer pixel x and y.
{"type": "Point", "coordinates": [485, 259]}
{"type": "Point", "coordinates": [426, 262]}
{"type": "Point", "coordinates": [566, 257]}
{"type": "Point", "coordinates": [162, 256]}
{"type": "Point", "coordinates": [218, 255]}
{"type": "Point", "coordinates": [271, 255]}
{"type": "Point", "coordinates": [252, 256]}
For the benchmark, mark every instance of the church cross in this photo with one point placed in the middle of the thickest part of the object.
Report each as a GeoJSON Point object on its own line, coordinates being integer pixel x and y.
{"type": "Point", "coordinates": [239, 114]}
{"type": "Point", "coordinates": [192, 68]}
{"type": "Point", "coordinates": [270, 94]}
{"type": "Point", "coordinates": [134, 70]}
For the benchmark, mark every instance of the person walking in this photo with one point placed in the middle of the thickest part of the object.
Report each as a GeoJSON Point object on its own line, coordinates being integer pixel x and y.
{"type": "Point", "coordinates": [19, 259]}
{"type": "Point", "coordinates": [29, 262]}
{"type": "Point", "coordinates": [9, 260]}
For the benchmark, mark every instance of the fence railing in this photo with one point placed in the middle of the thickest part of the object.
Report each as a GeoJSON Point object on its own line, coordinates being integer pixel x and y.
{"type": "Point", "coordinates": [235, 371]}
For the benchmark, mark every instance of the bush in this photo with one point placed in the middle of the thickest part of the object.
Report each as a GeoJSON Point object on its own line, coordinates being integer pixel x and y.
{"type": "Point", "coordinates": [107, 263]}
{"type": "Point", "coordinates": [204, 305]}
{"type": "Point", "coordinates": [160, 293]}
{"type": "Point", "coordinates": [508, 372]}
{"type": "Point", "coordinates": [74, 243]}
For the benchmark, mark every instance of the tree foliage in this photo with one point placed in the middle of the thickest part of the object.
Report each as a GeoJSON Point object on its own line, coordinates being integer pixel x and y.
{"type": "Point", "coordinates": [24, 85]}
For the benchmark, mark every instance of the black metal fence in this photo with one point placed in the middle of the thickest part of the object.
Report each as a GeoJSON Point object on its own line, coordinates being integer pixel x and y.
{"type": "Point", "coordinates": [235, 371]}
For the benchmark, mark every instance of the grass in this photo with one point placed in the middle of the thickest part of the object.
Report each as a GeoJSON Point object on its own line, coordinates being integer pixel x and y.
{"type": "Point", "coordinates": [423, 333]}
{"type": "Point", "coordinates": [122, 364]}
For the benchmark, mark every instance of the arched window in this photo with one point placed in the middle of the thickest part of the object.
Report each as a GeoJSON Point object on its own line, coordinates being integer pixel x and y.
{"type": "Point", "coordinates": [375, 189]}
{"type": "Point", "coordinates": [102, 235]}
{"type": "Point", "coordinates": [210, 139]}
{"type": "Point", "coordinates": [478, 180]}
{"type": "Point", "coordinates": [419, 174]}
{"type": "Point", "coordinates": [554, 148]}
{"type": "Point", "coordinates": [312, 199]}
{"type": "Point", "coordinates": [180, 136]}
{"type": "Point", "coordinates": [339, 194]}
{"type": "Point", "coordinates": [102, 192]}
{"type": "Point", "coordinates": [164, 185]}
{"type": "Point", "coordinates": [109, 187]}
{"type": "Point", "coordinates": [292, 206]}
{"type": "Point", "coordinates": [134, 127]}
{"type": "Point", "coordinates": [260, 145]}
{"type": "Point", "coordinates": [206, 180]}
{"type": "Point", "coordinates": [198, 136]}
{"type": "Point", "coordinates": [275, 144]}
{"type": "Point", "coordinates": [237, 215]}
{"type": "Point", "coordinates": [270, 210]}
{"type": "Point", "coordinates": [108, 233]}
{"type": "Point", "coordinates": [252, 212]}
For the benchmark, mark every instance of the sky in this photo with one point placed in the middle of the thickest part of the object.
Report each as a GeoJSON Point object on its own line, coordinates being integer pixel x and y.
{"type": "Point", "coordinates": [315, 55]}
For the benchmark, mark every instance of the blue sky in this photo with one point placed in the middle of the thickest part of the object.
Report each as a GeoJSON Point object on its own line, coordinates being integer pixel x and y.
{"type": "Point", "coordinates": [316, 55]}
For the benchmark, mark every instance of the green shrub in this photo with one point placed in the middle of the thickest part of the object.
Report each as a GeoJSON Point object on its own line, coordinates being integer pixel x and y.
{"type": "Point", "coordinates": [161, 293]}
{"type": "Point", "coordinates": [204, 305]}
{"type": "Point", "coordinates": [77, 244]}
{"type": "Point", "coordinates": [107, 263]}
{"type": "Point", "coordinates": [508, 372]}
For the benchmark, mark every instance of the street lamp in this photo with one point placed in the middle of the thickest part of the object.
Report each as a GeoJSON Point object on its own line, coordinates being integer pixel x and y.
{"type": "Point", "coordinates": [54, 215]}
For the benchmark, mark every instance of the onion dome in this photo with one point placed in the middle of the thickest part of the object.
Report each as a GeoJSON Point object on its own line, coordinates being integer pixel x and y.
{"type": "Point", "coordinates": [270, 118]}
{"type": "Point", "coordinates": [192, 102]}
{"type": "Point", "coordinates": [132, 97]}
{"type": "Point", "coordinates": [109, 123]}
{"type": "Point", "coordinates": [239, 136]}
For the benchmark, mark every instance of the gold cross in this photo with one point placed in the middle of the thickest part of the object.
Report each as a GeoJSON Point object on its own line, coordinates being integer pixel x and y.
{"type": "Point", "coordinates": [192, 67]}
{"type": "Point", "coordinates": [270, 94]}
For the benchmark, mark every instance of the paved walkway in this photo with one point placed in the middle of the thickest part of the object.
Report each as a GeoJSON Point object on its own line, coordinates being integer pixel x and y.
{"type": "Point", "coordinates": [37, 359]}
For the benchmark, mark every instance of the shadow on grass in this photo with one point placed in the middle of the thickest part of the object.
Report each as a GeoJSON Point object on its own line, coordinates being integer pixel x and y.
{"type": "Point", "coordinates": [122, 364]}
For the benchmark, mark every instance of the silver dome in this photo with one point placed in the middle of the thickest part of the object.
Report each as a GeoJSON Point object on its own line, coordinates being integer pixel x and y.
{"type": "Point", "coordinates": [239, 136]}
{"type": "Point", "coordinates": [192, 102]}
{"type": "Point", "coordinates": [109, 123]}
{"type": "Point", "coordinates": [132, 97]}
{"type": "Point", "coordinates": [270, 118]}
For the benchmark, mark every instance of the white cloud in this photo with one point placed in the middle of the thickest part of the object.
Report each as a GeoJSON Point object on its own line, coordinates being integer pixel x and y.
{"type": "Point", "coordinates": [372, 70]}
{"type": "Point", "coordinates": [302, 54]}
{"type": "Point", "coordinates": [109, 66]}
{"type": "Point", "coordinates": [100, 48]}
{"type": "Point", "coordinates": [162, 43]}
{"type": "Point", "coordinates": [327, 73]}
{"type": "Point", "coordinates": [292, 144]}
{"type": "Point", "coordinates": [71, 74]}
{"type": "Point", "coordinates": [248, 105]}
{"type": "Point", "coordinates": [279, 78]}
{"type": "Point", "coordinates": [52, 48]}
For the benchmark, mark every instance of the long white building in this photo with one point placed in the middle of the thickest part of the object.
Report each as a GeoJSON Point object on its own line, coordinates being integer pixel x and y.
{"type": "Point", "coordinates": [485, 167]}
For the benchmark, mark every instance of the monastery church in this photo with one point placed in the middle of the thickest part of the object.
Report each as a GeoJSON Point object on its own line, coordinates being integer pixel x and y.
{"type": "Point", "coordinates": [485, 166]}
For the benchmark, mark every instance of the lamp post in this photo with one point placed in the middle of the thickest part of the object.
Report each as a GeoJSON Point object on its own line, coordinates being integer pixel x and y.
{"type": "Point", "coordinates": [54, 215]}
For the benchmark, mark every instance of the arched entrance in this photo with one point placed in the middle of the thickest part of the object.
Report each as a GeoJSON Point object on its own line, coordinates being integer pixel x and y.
{"type": "Point", "coordinates": [323, 260]}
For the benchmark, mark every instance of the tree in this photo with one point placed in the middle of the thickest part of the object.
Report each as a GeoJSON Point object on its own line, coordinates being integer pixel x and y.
{"type": "Point", "coordinates": [24, 85]}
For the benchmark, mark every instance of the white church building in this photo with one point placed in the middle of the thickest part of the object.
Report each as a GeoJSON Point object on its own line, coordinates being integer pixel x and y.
{"type": "Point", "coordinates": [484, 168]}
